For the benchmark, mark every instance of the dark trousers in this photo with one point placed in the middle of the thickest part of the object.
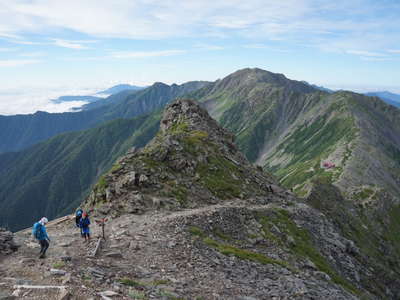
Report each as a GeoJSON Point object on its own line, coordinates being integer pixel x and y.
{"type": "Point", "coordinates": [44, 244]}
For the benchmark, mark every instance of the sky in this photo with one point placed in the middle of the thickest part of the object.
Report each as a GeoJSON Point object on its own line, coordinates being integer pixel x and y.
{"type": "Point", "coordinates": [50, 47]}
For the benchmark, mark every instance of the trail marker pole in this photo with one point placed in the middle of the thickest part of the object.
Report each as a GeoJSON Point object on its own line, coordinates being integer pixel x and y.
{"type": "Point", "coordinates": [102, 223]}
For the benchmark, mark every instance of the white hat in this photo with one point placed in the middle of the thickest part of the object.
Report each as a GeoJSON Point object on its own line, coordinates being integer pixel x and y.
{"type": "Point", "coordinates": [43, 220]}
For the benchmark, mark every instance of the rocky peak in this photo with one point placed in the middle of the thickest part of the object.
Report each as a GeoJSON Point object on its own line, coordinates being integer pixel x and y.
{"type": "Point", "coordinates": [256, 76]}
{"type": "Point", "coordinates": [191, 162]}
{"type": "Point", "coordinates": [188, 116]}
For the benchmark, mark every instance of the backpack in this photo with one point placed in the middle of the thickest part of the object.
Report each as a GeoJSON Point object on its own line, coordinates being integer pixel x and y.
{"type": "Point", "coordinates": [36, 230]}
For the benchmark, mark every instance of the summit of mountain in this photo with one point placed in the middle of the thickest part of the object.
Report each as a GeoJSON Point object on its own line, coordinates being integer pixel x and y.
{"type": "Point", "coordinates": [119, 88]}
{"type": "Point", "coordinates": [293, 130]}
{"type": "Point", "coordinates": [192, 161]}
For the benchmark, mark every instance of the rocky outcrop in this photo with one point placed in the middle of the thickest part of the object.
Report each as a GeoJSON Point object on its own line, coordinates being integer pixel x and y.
{"type": "Point", "coordinates": [191, 162]}
{"type": "Point", "coordinates": [7, 245]}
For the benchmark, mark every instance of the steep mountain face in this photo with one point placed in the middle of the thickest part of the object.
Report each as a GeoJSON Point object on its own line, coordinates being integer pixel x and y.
{"type": "Point", "coordinates": [191, 162]}
{"type": "Point", "coordinates": [373, 231]}
{"type": "Point", "coordinates": [51, 178]}
{"type": "Point", "coordinates": [300, 133]}
{"type": "Point", "coordinates": [21, 131]}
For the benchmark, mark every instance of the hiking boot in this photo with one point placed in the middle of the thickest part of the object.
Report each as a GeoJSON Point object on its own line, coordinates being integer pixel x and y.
{"type": "Point", "coordinates": [42, 256]}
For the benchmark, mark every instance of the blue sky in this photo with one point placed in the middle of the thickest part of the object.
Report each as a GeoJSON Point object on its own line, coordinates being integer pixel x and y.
{"type": "Point", "coordinates": [352, 44]}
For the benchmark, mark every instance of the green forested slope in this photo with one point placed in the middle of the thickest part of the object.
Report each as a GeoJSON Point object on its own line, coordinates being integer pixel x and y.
{"type": "Point", "coordinates": [50, 178]}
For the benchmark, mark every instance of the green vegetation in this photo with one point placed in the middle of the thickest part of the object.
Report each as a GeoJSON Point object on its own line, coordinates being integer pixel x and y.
{"type": "Point", "coordinates": [196, 231]}
{"type": "Point", "coordinates": [130, 282]}
{"type": "Point", "coordinates": [242, 253]}
{"type": "Point", "coordinates": [59, 265]}
{"type": "Point", "coordinates": [135, 283]}
{"type": "Point", "coordinates": [115, 168]}
{"type": "Point", "coordinates": [228, 249]}
{"type": "Point", "coordinates": [53, 177]}
{"type": "Point", "coordinates": [134, 294]}
{"type": "Point", "coordinates": [302, 245]}
{"type": "Point", "coordinates": [179, 128]}
{"type": "Point", "coordinates": [180, 193]}
{"type": "Point", "coordinates": [194, 140]}
{"type": "Point", "coordinates": [217, 232]}
{"type": "Point", "coordinates": [168, 295]}
{"type": "Point", "coordinates": [376, 234]}
{"type": "Point", "coordinates": [364, 194]}
{"type": "Point", "coordinates": [101, 184]}
{"type": "Point", "coordinates": [309, 145]}
{"type": "Point", "coordinates": [220, 177]}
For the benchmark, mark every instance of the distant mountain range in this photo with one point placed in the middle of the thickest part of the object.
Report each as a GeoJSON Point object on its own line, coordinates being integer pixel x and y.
{"type": "Point", "coordinates": [119, 88]}
{"type": "Point", "coordinates": [21, 131]}
{"type": "Point", "coordinates": [289, 127]}
{"type": "Point", "coordinates": [95, 101]}
{"type": "Point", "coordinates": [388, 97]}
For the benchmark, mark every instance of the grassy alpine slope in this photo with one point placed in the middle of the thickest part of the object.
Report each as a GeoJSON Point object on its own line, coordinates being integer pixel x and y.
{"type": "Point", "coordinates": [52, 177]}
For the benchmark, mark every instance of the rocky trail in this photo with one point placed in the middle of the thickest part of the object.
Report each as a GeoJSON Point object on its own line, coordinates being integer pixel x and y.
{"type": "Point", "coordinates": [71, 270]}
{"type": "Point", "coordinates": [159, 255]}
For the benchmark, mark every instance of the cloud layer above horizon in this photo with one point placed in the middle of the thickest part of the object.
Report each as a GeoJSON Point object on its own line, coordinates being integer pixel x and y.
{"type": "Point", "coordinates": [345, 42]}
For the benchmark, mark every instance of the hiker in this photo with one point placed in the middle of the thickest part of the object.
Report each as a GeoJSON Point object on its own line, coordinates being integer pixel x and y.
{"type": "Point", "coordinates": [39, 232]}
{"type": "Point", "coordinates": [84, 224]}
{"type": "Point", "coordinates": [78, 217]}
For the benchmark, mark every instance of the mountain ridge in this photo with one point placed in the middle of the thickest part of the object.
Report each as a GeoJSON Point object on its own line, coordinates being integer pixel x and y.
{"type": "Point", "coordinates": [21, 131]}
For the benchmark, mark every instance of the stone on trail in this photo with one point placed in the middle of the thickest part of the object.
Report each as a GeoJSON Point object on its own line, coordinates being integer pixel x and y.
{"type": "Point", "coordinates": [57, 272]}
{"type": "Point", "coordinates": [114, 254]}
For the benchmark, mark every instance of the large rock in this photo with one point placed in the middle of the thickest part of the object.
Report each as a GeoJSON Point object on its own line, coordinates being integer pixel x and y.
{"type": "Point", "coordinates": [7, 245]}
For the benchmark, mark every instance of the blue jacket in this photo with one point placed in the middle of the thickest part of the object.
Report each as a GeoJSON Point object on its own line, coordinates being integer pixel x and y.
{"type": "Point", "coordinates": [40, 230]}
{"type": "Point", "coordinates": [84, 222]}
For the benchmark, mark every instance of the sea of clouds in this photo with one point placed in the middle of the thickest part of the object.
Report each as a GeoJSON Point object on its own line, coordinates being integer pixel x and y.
{"type": "Point", "coordinates": [30, 100]}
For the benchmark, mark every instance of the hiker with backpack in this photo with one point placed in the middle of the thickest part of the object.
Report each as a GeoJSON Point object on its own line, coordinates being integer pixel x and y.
{"type": "Point", "coordinates": [78, 217]}
{"type": "Point", "coordinates": [84, 224]}
{"type": "Point", "coordinates": [40, 233]}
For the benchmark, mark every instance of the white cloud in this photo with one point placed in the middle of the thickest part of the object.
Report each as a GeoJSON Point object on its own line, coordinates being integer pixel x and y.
{"type": "Point", "coordinates": [366, 53]}
{"type": "Point", "coordinates": [23, 42]}
{"type": "Point", "coordinates": [366, 58]}
{"type": "Point", "coordinates": [154, 19]}
{"type": "Point", "coordinates": [78, 45]}
{"type": "Point", "coordinates": [394, 51]}
{"type": "Point", "coordinates": [29, 100]}
{"type": "Point", "coordinates": [203, 46]}
{"type": "Point", "coordinates": [144, 54]}
{"type": "Point", "coordinates": [17, 62]}
{"type": "Point", "coordinates": [263, 46]}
